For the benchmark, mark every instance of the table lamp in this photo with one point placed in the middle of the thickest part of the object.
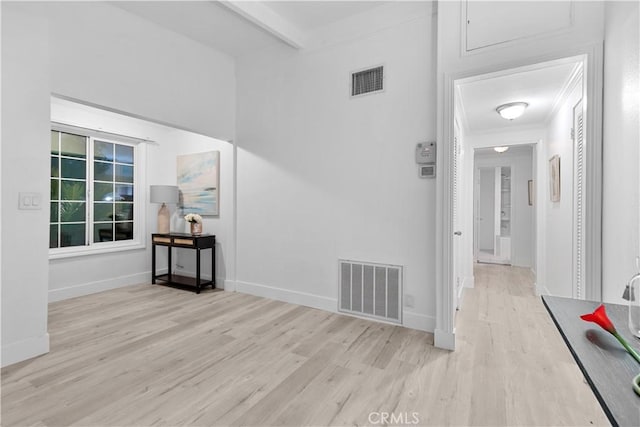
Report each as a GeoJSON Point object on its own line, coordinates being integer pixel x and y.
{"type": "Point", "coordinates": [164, 194]}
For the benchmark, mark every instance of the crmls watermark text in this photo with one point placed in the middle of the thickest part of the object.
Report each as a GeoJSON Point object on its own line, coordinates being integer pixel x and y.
{"type": "Point", "coordinates": [391, 418]}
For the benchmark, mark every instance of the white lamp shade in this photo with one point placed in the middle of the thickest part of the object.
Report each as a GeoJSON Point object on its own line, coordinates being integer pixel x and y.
{"type": "Point", "coordinates": [164, 194]}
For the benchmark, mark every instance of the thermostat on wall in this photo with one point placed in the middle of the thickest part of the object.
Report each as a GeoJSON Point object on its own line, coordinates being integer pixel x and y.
{"type": "Point", "coordinates": [427, 171]}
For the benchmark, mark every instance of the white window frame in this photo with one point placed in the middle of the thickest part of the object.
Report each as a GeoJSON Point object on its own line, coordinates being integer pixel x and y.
{"type": "Point", "coordinates": [139, 196]}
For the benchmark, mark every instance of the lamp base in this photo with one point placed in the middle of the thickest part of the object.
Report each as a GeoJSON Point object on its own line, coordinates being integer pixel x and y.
{"type": "Point", "coordinates": [163, 219]}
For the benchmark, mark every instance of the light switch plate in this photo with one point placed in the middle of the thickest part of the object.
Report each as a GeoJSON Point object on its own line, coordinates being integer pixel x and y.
{"type": "Point", "coordinates": [30, 201]}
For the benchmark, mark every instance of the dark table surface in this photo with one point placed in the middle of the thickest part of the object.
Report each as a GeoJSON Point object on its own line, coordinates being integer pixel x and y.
{"type": "Point", "coordinates": [606, 365]}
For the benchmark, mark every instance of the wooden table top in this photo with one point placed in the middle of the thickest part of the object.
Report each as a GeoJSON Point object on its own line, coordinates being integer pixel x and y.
{"type": "Point", "coordinates": [606, 365]}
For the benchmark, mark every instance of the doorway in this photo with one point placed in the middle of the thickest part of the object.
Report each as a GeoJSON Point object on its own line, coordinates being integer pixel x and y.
{"type": "Point", "coordinates": [492, 215]}
{"type": "Point", "coordinates": [551, 92]}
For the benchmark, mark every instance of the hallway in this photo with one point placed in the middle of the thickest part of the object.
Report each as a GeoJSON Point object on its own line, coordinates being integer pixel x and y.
{"type": "Point", "coordinates": [521, 371]}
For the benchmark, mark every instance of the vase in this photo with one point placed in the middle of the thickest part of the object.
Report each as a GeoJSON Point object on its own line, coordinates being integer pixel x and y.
{"type": "Point", "coordinates": [196, 228]}
{"type": "Point", "coordinates": [632, 294]}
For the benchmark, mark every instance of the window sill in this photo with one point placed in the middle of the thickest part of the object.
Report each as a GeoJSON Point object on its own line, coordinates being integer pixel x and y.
{"type": "Point", "coordinates": [80, 251]}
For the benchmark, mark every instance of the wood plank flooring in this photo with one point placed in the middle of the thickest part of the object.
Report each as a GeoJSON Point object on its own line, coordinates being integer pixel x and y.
{"type": "Point", "coordinates": [152, 355]}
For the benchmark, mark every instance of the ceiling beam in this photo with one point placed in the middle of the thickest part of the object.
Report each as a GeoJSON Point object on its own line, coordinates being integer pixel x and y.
{"type": "Point", "coordinates": [264, 17]}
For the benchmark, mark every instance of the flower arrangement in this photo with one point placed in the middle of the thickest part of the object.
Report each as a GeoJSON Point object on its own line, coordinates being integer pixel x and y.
{"type": "Point", "coordinates": [193, 218]}
{"type": "Point", "coordinates": [599, 317]}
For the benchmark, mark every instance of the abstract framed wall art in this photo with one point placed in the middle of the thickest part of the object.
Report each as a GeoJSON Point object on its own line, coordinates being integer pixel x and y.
{"type": "Point", "coordinates": [198, 182]}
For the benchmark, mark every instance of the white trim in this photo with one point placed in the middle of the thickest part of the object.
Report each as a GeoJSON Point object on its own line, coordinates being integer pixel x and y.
{"type": "Point", "coordinates": [459, 297]}
{"type": "Point", "coordinates": [445, 284]}
{"type": "Point", "coordinates": [576, 75]}
{"type": "Point", "coordinates": [98, 286]}
{"type": "Point", "coordinates": [99, 134]}
{"type": "Point", "coordinates": [418, 321]}
{"type": "Point", "coordinates": [445, 340]}
{"type": "Point", "coordinates": [286, 295]}
{"type": "Point", "coordinates": [73, 251]}
{"type": "Point", "coordinates": [410, 319]}
{"type": "Point", "coordinates": [58, 96]}
{"type": "Point", "coordinates": [233, 267]}
{"type": "Point", "coordinates": [469, 282]}
{"type": "Point", "coordinates": [25, 349]}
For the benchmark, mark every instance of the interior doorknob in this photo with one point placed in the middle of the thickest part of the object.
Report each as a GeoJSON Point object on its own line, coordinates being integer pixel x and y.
{"type": "Point", "coordinates": [458, 233]}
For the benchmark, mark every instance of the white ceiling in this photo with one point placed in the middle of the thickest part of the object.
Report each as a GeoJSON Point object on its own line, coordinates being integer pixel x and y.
{"type": "Point", "coordinates": [315, 14]}
{"type": "Point", "coordinates": [217, 26]}
{"type": "Point", "coordinates": [206, 22]}
{"type": "Point", "coordinates": [540, 88]}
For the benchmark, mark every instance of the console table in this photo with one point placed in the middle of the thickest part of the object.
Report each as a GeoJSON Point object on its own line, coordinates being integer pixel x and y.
{"type": "Point", "coordinates": [606, 365]}
{"type": "Point", "coordinates": [185, 241]}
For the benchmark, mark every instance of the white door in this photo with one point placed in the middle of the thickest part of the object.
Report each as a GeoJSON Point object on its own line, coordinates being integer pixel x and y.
{"type": "Point", "coordinates": [578, 136]}
{"type": "Point", "coordinates": [457, 237]}
{"type": "Point", "coordinates": [485, 223]}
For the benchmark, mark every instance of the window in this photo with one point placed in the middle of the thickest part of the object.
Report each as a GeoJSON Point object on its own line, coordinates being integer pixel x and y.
{"type": "Point", "coordinates": [93, 192]}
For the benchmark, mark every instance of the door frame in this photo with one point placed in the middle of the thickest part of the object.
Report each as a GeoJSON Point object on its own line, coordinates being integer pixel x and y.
{"type": "Point", "coordinates": [444, 334]}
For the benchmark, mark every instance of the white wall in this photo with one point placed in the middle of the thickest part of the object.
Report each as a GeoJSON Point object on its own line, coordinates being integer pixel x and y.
{"type": "Point", "coordinates": [559, 216]}
{"type": "Point", "coordinates": [81, 275]}
{"type": "Point", "coordinates": [25, 168]}
{"type": "Point", "coordinates": [322, 176]}
{"type": "Point", "coordinates": [621, 216]}
{"type": "Point", "coordinates": [522, 215]}
{"type": "Point", "coordinates": [101, 55]}
{"type": "Point", "coordinates": [107, 56]}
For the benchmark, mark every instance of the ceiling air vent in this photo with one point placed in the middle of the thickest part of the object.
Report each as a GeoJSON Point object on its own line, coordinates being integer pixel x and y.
{"type": "Point", "coordinates": [367, 81]}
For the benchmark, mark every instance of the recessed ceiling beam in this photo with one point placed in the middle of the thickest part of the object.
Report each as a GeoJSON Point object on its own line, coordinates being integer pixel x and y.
{"type": "Point", "coordinates": [264, 17]}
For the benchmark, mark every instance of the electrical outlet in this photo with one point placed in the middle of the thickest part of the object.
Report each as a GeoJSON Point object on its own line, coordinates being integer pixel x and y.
{"type": "Point", "coordinates": [409, 301]}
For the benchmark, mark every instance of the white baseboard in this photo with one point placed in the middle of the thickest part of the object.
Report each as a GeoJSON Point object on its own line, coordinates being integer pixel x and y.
{"type": "Point", "coordinates": [286, 295]}
{"type": "Point", "coordinates": [98, 286]}
{"type": "Point", "coordinates": [25, 349]}
{"type": "Point", "coordinates": [444, 340]}
{"type": "Point", "coordinates": [469, 282]}
{"type": "Point", "coordinates": [116, 282]}
{"type": "Point", "coordinates": [410, 319]}
{"type": "Point", "coordinates": [418, 321]}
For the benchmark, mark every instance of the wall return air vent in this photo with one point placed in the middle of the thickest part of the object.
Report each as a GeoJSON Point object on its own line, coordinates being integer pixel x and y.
{"type": "Point", "coordinates": [371, 290]}
{"type": "Point", "coordinates": [367, 81]}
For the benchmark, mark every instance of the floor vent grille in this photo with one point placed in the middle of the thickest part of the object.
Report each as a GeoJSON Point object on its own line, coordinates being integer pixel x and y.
{"type": "Point", "coordinates": [371, 290]}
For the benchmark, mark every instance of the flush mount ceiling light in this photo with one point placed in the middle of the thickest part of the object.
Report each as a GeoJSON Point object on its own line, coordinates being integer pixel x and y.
{"type": "Point", "coordinates": [512, 110]}
{"type": "Point", "coordinates": [501, 149]}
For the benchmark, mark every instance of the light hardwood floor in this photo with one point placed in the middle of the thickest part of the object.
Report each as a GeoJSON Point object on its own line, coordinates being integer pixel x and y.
{"type": "Point", "coordinates": [150, 355]}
